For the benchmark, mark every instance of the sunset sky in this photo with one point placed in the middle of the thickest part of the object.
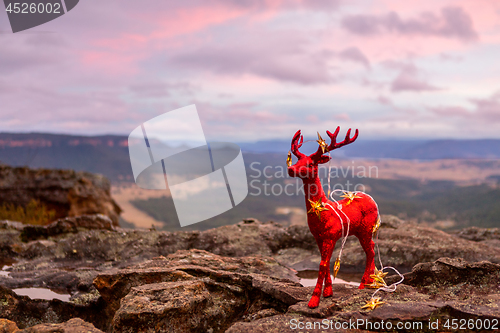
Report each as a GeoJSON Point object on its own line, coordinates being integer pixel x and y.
{"type": "Point", "coordinates": [259, 69]}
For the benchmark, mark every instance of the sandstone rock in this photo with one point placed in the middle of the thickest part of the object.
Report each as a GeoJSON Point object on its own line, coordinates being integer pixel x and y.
{"type": "Point", "coordinates": [448, 295]}
{"type": "Point", "coordinates": [75, 325]}
{"type": "Point", "coordinates": [111, 273]}
{"type": "Point", "coordinates": [7, 326]}
{"type": "Point", "coordinates": [326, 308]}
{"type": "Point", "coordinates": [208, 291]}
{"type": "Point", "coordinates": [193, 291]}
{"type": "Point", "coordinates": [390, 221]}
{"type": "Point", "coordinates": [178, 307]}
{"type": "Point", "coordinates": [12, 225]}
{"type": "Point", "coordinates": [409, 244]}
{"type": "Point", "coordinates": [27, 312]}
{"type": "Point", "coordinates": [67, 225]}
{"type": "Point", "coordinates": [186, 265]}
{"type": "Point", "coordinates": [485, 236]}
{"type": "Point", "coordinates": [55, 279]}
{"type": "Point", "coordinates": [252, 237]}
{"type": "Point", "coordinates": [455, 272]}
{"type": "Point", "coordinates": [479, 234]}
{"type": "Point", "coordinates": [99, 250]}
{"type": "Point", "coordinates": [67, 192]}
{"type": "Point", "coordinates": [273, 324]}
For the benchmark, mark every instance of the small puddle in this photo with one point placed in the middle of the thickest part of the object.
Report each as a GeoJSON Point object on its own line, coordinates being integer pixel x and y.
{"type": "Point", "coordinates": [309, 278]}
{"type": "Point", "coordinates": [41, 293]}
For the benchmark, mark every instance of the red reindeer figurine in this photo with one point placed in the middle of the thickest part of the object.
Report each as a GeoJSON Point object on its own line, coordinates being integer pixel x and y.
{"type": "Point", "coordinates": [358, 213]}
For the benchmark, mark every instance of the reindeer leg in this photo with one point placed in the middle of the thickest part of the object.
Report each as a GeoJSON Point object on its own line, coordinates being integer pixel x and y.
{"type": "Point", "coordinates": [326, 248]}
{"type": "Point", "coordinates": [328, 291]}
{"type": "Point", "coordinates": [368, 245]}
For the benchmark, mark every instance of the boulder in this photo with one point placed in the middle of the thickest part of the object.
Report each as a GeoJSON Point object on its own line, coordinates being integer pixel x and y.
{"type": "Point", "coordinates": [67, 225]}
{"type": "Point", "coordinates": [75, 325]}
{"type": "Point", "coordinates": [196, 291]}
{"type": "Point", "coordinates": [66, 245]}
{"type": "Point", "coordinates": [27, 312]}
{"type": "Point", "coordinates": [464, 291]}
{"type": "Point", "coordinates": [67, 192]}
{"type": "Point", "coordinates": [8, 326]}
{"type": "Point", "coordinates": [479, 234]}
{"type": "Point", "coordinates": [486, 236]}
{"type": "Point", "coordinates": [402, 245]}
{"type": "Point", "coordinates": [457, 273]}
{"type": "Point", "coordinates": [124, 280]}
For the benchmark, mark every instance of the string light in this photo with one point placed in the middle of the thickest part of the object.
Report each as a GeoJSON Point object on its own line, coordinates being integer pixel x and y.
{"type": "Point", "coordinates": [317, 207]}
{"type": "Point", "coordinates": [378, 276]}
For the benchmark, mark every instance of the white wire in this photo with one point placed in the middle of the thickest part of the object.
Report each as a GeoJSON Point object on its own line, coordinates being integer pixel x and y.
{"type": "Point", "coordinates": [391, 288]}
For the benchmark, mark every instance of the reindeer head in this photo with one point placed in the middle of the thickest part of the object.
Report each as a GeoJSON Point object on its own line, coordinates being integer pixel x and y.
{"type": "Point", "coordinates": [307, 166]}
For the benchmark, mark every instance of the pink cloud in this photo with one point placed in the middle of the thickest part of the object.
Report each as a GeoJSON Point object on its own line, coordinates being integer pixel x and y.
{"type": "Point", "coordinates": [342, 116]}
{"type": "Point", "coordinates": [384, 100]}
{"type": "Point", "coordinates": [453, 22]}
{"type": "Point", "coordinates": [312, 118]}
{"type": "Point", "coordinates": [484, 110]}
{"type": "Point", "coordinates": [450, 111]}
{"type": "Point", "coordinates": [264, 62]}
{"type": "Point", "coordinates": [281, 56]}
{"type": "Point", "coordinates": [409, 79]}
{"type": "Point", "coordinates": [355, 54]}
{"type": "Point", "coordinates": [158, 88]}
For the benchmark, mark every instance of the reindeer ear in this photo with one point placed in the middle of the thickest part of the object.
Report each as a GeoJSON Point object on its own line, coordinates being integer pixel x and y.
{"type": "Point", "coordinates": [323, 159]}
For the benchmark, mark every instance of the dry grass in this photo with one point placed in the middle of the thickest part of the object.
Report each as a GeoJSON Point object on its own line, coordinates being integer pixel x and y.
{"type": "Point", "coordinates": [34, 213]}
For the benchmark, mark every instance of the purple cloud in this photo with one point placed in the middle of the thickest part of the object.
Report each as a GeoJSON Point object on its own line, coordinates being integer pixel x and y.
{"type": "Point", "coordinates": [161, 89]}
{"type": "Point", "coordinates": [283, 57]}
{"type": "Point", "coordinates": [486, 110]}
{"type": "Point", "coordinates": [450, 111]}
{"type": "Point", "coordinates": [384, 100]}
{"type": "Point", "coordinates": [453, 22]}
{"type": "Point", "coordinates": [355, 54]}
{"type": "Point", "coordinates": [450, 57]}
{"type": "Point", "coordinates": [409, 80]}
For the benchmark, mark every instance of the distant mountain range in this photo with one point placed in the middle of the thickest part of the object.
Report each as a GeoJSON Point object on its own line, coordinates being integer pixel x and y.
{"type": "Point", "coordinates": [398, 149]}
{"type": "Point", "coordinates": [108, 154]}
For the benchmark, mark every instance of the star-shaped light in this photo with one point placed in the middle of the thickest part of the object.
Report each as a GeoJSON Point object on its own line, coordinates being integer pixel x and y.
{"type": "Point", "coordinates": [322, 144]}
{"type": "Point", "coordinates": [317, 207]}
{"type": "Point", "coordinates": [349, 195]}
{"type": "Point", "coordinates": [378, 279]}
{"type": "Point", "coordinates": [376, 226]}
{"type": "Point", "coordinates": [289, 159]}
{"type": "Point", "coordinates": [336, 267]}
{"type": "Point", "coordinates": [373, 303]}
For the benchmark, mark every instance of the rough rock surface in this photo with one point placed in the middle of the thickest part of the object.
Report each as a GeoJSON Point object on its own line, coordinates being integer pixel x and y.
{"type": "Point", "coordinates": [487, 236]}
{"type": "Point", "coordinates": [456, 289]}
{"type": "Point", "coordinates": [66, 225]}
{"type": "Point", "coordinates": [67, 192]}
{"type": "Point", "coordinates": [237, 280]}
{"type": "Point", "coordinates": [75, 325]}
{"type": "Point", "coordinates": [58, 257]}
{"type": "Point", "coordinates": [401, 244]}
{"type": "Point", "coordinates": [8, 326]}
{"type": "Point", "coordinates": [27, 312]}
{"type": "Point", "coordinates": [195, 291]}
